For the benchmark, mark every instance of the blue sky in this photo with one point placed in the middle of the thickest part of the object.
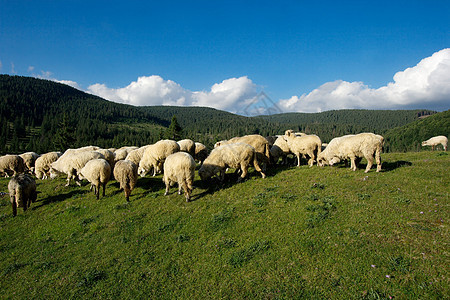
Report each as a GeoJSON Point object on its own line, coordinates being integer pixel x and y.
{"type": "Point", "coordinates": [304, 55]}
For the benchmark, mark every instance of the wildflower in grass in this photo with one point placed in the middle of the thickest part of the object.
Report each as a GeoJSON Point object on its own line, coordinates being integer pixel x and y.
{"type": "Point", "coordinates": [373, 266]}
{"type": "Point", "coordinates": [421, 212]}
{"type": "Point", "coordinates": [388, 276]}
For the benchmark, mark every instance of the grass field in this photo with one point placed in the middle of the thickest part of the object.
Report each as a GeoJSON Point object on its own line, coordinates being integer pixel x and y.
{"type": "Point", "coordinates": [311, 233]}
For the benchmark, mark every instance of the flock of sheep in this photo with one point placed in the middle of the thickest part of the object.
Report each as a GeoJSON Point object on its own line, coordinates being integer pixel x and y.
{"type": "Point", "coordinates": [177, 161]}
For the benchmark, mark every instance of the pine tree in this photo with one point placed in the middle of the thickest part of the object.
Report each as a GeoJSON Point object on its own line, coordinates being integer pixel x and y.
{"type": "Point", "coordinates": [64, 136]}
{"type": "Point", "coordinates": [174, 130]}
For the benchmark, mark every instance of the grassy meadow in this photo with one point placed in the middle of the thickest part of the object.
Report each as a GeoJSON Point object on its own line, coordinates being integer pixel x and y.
{"type": "Point", "coordinates": [311, 233]}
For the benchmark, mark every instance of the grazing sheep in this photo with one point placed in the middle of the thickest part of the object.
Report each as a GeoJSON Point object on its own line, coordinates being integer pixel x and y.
{"type": "Point", "coordinates": [201, 152]}
{"type": "Point", "coordinates": [353, 147]}
{"type": "Point", "coordinates": [180, 168]}
{"type": "Point", "coordinates": [122, 153]}
{"type": "Point", "coordinates": [155, 155]}
{"type": "Point", "coordinates": [43, 163]}
{"type": "Point", "coordinates": [280, 148]}
{"type": "Point", "coordinates": [71, 163]}
{"type": "Point", "coordinates": [236, 156]}
{"type": "Point", "coordinates": [11, 164]}
{"type": "Point", "coordinates": [29, 158]}
{"type": "Point", "coordinates": [109, 156]}
{"type": "Point", "coordinates": [97, 172]}
{"type": "Point", "coordinates": [22, 191]}
{"type": "Point", "coordinates": [257, 141]}
{"type": "Point", "coordinates": [136, 154]}
{"type": "Point", "coordinates": [434, 141]}
{"type": "Point", "coordinates": [126, 173]}
{"type": "Point", "coordinates": [309, 145]}
{"type": "Point", "coordinates": [188, 146]}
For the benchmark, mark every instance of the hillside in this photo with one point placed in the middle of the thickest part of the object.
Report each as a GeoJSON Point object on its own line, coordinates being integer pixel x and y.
{"type": "Point", "coordinates": [300, 233]}
{"type": "Point", "coordinates": [410, 136]}
{"type": "Point", "coordinates": [41, 115]}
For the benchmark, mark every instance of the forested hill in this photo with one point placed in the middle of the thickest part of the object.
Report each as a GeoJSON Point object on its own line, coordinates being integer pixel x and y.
{"type": "Point", "coordinates": [410, 136]}
{"type": "Point", "coordinates": [41, 115]}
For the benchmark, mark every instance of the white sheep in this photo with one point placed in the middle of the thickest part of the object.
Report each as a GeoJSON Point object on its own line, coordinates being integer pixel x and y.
{"type": "Point", "coordinates": [353, 147]}
{"type": "Point", "coordinates": [122, 153]}
{"type": "Point", "coordinates": [309, 145]}
{"type": "Point", "coordinates": [155, 155]}
{"type": "Point", "coordinates": [280, 148]}
{"type": "Point", "coordinates": [258, 142]}
{"type": "Point", "coordinates": [71, 163]}
{"type": "Point", "coordinates": [43, 163]}
{"type": "Point", "coordinates": [98, 173]}
{"type": "Point", "coordinates": [109, 156]}
{"type": "Point", "coordinates": [180, 168]}
{"type": "Point", "coordinates": [22, 191]}
{"type": "Point", "coordinates": [11, 163]}
{"type": "Point", "coordinates": [434, 141]}
{"type": "Point", "coordinates": [188, 146]}
{"type": "Point", "coordinates": [29, 158]}
{"type": "Point", "coordinates": [126, 173]}
{"type": "Point", "coordinates": [136, 154]}
{"type": "Point", "coordinates": [201, 152]}
{"type": "Point", "coordinates": [238, 156]}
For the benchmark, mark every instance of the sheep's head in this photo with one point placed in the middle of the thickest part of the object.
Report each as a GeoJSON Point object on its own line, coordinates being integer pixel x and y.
{"type": "Point", "coordinates": [206, 171]}
{"type": "Point", "coordinates": [54, 173]}
{"type": "Point", "coordinates": [334, 160]}
{"type": "Point", "coordinates": [220, 143]}
{"type": "Point", "coordinates": [424, 143]}
{"type": "Point", "coordinates": [142, 171]}
{"type": "Point", "coordinates": [322, 161]}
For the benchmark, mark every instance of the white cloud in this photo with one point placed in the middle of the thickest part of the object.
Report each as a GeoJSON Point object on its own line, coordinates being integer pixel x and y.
{"type": "Point", "coordinates": [231, 94]}
{"type": "Point", "coordinates": [426, 85]}
{"type": "Point", "coordinates": [30, 69]}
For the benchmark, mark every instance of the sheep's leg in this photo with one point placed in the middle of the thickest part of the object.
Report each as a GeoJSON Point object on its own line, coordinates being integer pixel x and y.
{"type": "Point", "coordinates": [167, 188]}
{"type": "Point", "coordinates": [353, 163]}
{"type": "Point", "coordinates": [187, 191]}
{"type": "Point", "coordinates": [97, 191]}
{"type": "Point", "coordinates": [298, 159]}
{"type": "Point", "coordinates": [244, 168]}
{"type": "Point", "coordinates": [104, 187]}
{"type": "Point", "coordinates": [180, 186]}
{"type": "Point", "coordinates": [14, 206]}
{"type": "Point", "coordinates": [311, 158]}
{"type": "Point", "coordinates": [369, 163]}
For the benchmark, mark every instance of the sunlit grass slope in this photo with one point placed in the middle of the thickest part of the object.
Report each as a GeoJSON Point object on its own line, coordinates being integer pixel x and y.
{"type": "Point", "coordinates": [300, 233]}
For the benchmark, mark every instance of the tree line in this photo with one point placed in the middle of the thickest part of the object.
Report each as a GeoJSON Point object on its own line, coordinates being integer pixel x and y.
{"type": "Point", "coordinates": [41, 115]}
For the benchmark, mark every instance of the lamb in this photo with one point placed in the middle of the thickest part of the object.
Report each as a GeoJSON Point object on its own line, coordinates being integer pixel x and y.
{"type": "Point", "coordinates": [188, 146]}
{"type": "Point", "coordinates": [126, 173]}
{"type": "Point", "coordinates": [136, 154]}
{"type": "Point", "coordinates": [257, 141]}
{"type": "Point", "coordinates": [22, 191]}
{"type": "Point", "coordinates": [122, 153]}
{"type": "Point", "coordinates": [42, 164]}
{"type": "Point", "coordinates": [309, 145]}
{"type": "Point", "coordinates": [367, 145]}
{"type": "Point", "coordinates": [29, 159]}
{"type": "Point", "coordinates": [97, 172]}
{"type": "Point", "coordinates": [71, 162]}
{"type": "Point", "coordinates": [236, 156]}
{"type": "Point", "coordinates": [11, 164]}
{"type": "Point", "coordinates": [434, 141]}
{"type": "Point", "coordinates": [180, 168]}
{"type": "Point", "coordinates": [201, 152]}
{"type": "Point", "coordinates": [155, 155]}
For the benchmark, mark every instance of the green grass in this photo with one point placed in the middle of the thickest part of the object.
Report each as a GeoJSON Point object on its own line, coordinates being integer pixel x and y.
{"type": "Point", "coordinates": [300, 233]}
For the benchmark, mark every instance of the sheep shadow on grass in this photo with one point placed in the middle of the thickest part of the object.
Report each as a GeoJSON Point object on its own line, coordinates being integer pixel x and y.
{"type": "Point", "coordinates": [56, 198]}
{"type": "Point", "coordinates": [392, 165]}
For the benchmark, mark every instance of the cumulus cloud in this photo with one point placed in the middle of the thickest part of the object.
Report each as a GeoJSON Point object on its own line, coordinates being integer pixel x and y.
{"type": "Point", "coordinates": [232, 94]}
{"type": "Point", "coordinates": [426, 85]}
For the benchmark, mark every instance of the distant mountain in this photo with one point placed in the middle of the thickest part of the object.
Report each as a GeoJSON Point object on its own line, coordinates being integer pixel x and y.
{"type": "Point", "coordinates": [41, 115]}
